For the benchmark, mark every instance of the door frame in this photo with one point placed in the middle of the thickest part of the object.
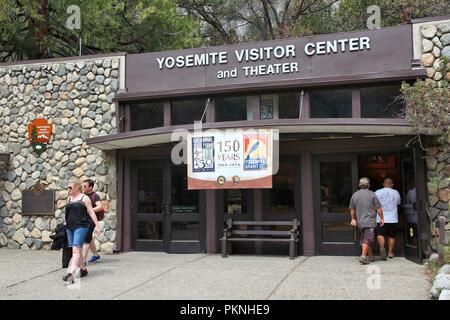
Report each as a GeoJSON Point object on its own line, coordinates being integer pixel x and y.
{"type": "Point", "coordinates": [145, 245]}
{"type": "Point", "coordinates": [333, 248]}
{"type": "Point", "coordinates": [167, 216]}
{"type": "Point", "coordinates": [415, 253]}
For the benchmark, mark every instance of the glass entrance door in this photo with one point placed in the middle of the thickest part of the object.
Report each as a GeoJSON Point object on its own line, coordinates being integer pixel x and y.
{"type": "Point", "coordinates": [148, 206]}
{"type": "Point", "coordinates": [336, 180]}
{"type": "Point", "coordinates": [412, 204]}
{"type": "Point", "coordinates": [165, 214]}
{"type": "Point", "coordinates": [183, 212]}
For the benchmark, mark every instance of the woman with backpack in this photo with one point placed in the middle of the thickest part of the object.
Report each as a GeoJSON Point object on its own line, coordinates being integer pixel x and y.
{"type": "Point", "coordinates": [78, 212]}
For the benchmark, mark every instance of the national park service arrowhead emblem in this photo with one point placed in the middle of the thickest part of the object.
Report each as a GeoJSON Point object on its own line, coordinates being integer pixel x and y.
{"type": "Point", "coordinates": [39, 133]}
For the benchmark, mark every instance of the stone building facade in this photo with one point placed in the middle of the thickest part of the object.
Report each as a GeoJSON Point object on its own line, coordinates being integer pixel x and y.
{"type": "Point", "coordinates": [76, 97]}
{"type": "Point", "coordinates": [435, 45]}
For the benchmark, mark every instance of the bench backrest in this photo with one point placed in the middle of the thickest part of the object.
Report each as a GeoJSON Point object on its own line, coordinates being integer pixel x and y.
{"type": "Point", "coordinates": [234, 227]}
{"type": "Point", "coordinates": [294, 223]}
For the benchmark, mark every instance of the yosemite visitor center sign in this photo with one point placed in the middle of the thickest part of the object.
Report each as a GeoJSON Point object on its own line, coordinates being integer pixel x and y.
{"type": "Point", "coordinates": [268, 56]}
{"type": "Point", "coordinates": [306, 61]}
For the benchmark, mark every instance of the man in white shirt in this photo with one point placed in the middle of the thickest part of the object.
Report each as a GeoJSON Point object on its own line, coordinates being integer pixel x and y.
{"type": "Point", "coordinates": [389, 199]}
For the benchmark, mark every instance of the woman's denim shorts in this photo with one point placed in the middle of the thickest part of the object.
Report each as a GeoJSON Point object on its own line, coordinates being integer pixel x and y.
{"type": "Point", "coordinates": [76, 237]}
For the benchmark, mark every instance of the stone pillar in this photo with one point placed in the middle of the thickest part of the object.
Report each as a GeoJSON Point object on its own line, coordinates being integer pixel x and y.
{"type": "Point", "coordinates": [434, 42]}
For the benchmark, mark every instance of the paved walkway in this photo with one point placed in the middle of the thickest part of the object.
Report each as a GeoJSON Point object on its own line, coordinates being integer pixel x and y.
{"type": "Point", "coordinates": [139, 275]}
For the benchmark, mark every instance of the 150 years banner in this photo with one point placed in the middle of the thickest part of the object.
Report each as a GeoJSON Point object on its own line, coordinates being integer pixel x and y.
{"type": "Point", "coordinates": [226, 159]}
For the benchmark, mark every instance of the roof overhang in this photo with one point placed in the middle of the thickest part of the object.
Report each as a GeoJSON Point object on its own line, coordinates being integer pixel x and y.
{"type": "Point", "coordinates": [149, 137]}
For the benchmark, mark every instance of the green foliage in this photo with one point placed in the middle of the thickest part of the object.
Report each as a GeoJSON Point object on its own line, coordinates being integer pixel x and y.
{"type": "Point", "coordinates": [352, 14]}
{"type": "Point", "coordinates": [428, 105]}
{"type": "Point", "coordinates": [255, 20]}
{"type": "Point", "coordinates": [31, 29]}
{"type": "Point", "coordinates": [434, 267]}
{"type": "Point", "coordinates": [35, 29]}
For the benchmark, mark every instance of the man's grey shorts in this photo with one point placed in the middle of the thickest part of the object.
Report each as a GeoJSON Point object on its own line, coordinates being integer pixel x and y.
{"type": "Point", "coordinates": [367, 236]}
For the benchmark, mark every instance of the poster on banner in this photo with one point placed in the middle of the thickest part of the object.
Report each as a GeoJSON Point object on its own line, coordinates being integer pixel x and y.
{"type": "Point", "coordinates": [230, 159]}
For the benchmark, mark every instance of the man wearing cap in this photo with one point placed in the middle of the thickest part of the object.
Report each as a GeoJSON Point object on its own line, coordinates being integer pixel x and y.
{"type": "Point", "coordinates": [364, 206]}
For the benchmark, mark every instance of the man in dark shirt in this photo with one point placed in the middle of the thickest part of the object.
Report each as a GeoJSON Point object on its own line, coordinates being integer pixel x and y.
{"type": "Point", "coordinates": [364, 206]}
{"type": "Point", "coordinates": [89, 243]}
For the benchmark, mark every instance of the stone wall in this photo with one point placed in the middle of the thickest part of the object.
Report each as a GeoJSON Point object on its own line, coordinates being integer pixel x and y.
{"type": "Point", "coordinates": [76, 97]}
{"type": "Point", "coordinates": [435, 45]}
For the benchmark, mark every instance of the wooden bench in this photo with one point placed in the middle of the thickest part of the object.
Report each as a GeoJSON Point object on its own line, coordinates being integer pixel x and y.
{"type": "Point", "coordinates": [238, 231]}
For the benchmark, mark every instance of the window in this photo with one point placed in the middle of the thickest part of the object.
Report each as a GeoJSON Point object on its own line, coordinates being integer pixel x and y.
{"type": "Point", "coordinates": [183, 200]}
{"type": "Point", "coordinates": [269, 107]}
{"type": "Point", "coordinates": [381, 101]}
{"type": "Point", "coordinates": [231, 108]}
{"type": "Point", "coordinates": [149, 192]}
{"type": "Point", "coordinates": [187, 111]}
{"type": "Point", "coordinates": [279, 106]}
{"type": "Point", "coordinates": [146, 115]}
{"type": "Point", "coordinates": [330, 103]}
{"type": "Point", "coordinates": [288, 106]}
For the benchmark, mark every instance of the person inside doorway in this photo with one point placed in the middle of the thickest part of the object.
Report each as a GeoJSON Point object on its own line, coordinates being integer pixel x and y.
{"type": "Point", "coordinates": [389, 199]}
{"type": "Point", "coordinates": [364, 206]}
{"type": "Point", "coordinates": [89, 243]}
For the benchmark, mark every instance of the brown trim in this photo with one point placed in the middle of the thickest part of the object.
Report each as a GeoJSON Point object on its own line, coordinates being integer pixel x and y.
{"type": "Point", "coordinates": [356, 103]}
{"type": "Point", "coordinates": [211, 111]}
{"type": "Point", "coordinates": [405, 74]}
{"type": "Point", "coordinates": [120, 123]}
{"type": "Point", "coordinates": [298, 201]}
{"type": "Point", "coordinates": [256, 107]}
{"type": "Point", "coordinates": [5, 157]}
{"type": "Point", "coordinates": [127, 209]}
{"type": "Point", "coordinates": [258, 213]}
{"type": "Point", "coordinates": [281, 41]}
{"type": "Point", "coordinates": [211, 221]}
{"type": "Point", "coordinates": [303, 112]}
{"type": "Point", "coordinates": [64, 59]}
{"type": "Point", "coordinates": [167, 113]}
{"type": "Point", "coordinates": [360, 144]}
{"type": "Point", "coordinates": [306, 194]}
{"type": "Point", "coordinates": [422, 196]}
{"type": "Point", "coordinates": [252, 123]}
{"type": "Point", "coordinates": [429, 19]}
{"type": "Point", "coordinates": [127, 122]}
{"type": "Point", "coordinates": [153, 153]}
{"type": "Point", "coordinates": [120, 202]}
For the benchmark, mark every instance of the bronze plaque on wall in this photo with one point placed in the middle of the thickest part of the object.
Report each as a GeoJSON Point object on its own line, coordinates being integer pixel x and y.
{"type": "Point", "coordinates": [38, 204]}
